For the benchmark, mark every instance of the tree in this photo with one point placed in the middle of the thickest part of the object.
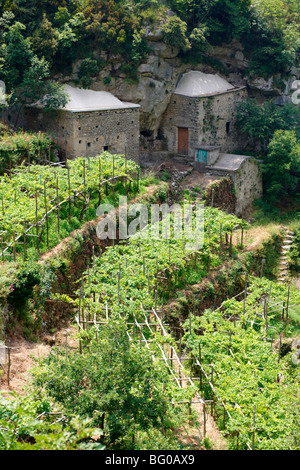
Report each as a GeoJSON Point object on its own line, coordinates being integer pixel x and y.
{"type": "Point", "coordinates": [114, 383]}
{"type": "Point", "coordinates": [45, 40]}
{"type": "Point", "coordinates": [281, 165]}
{"type": "Point", "coordinates": [198, 38]}
{"type": "Point", "coordinates": [192, 11]}
{"type": "Point", "coordinates": [260, 122]}
{"type": "Point", "coordinates": [26, 76]}
{"type": "Point", "coordinates": [16, 53]}
{"type": "Point", "coordinates": [88, 68]}
{"type": "Point", "coordinates": [174, 33]}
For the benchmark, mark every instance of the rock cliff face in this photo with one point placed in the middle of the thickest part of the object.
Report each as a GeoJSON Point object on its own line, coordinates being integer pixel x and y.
{"type": "Point", "coordinates": [161, 70]}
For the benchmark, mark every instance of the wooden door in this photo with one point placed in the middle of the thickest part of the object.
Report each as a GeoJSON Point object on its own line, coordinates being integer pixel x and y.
{"type": "Point", "coordinates": [183, 140]}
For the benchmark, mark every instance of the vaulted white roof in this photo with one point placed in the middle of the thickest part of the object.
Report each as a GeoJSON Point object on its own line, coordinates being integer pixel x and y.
{"type": "Point", "coordinates": [90, 100]}
{"type": "Point", "coordinates": [200, 84]}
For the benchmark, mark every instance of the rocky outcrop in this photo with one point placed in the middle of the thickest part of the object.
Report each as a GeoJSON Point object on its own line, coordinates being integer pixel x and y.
{"type": "Point", "coordinates": [162, 68]}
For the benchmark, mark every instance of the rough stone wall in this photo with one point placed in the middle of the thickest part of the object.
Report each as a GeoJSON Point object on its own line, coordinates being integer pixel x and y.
{"type": "Point", "coordinates": [115, 130]}
{"type": "Point", "coordinates": [90, 133]}
{"type": "Point", "coordinates": [247, 181]}
{"type": "Point", "coordinates": [248, 185]}
{"type": "Point", "coordinates": [58, 123]}
{"type": "Point", "coordinates": [210, 121]}
{"type": "Point", "coordinates": [221, 194]}
{"type": "Point", "coordinates": [181, 112]}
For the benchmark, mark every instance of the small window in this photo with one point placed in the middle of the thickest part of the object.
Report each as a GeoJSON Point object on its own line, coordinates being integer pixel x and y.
{"type": "Point", "coordinates": [89, 144]}
{"type": "Point", "coordinates": [80, 141]}
{"type": "Point", "coordinates": [79, 128]}
{"type": "Point", "coordinates": [105, 148]}
{"type": "Point", "coordinates": [227, 127]}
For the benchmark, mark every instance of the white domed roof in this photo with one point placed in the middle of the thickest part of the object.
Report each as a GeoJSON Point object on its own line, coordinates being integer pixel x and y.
{"type": "Point", "coordinates": [90, 100]}
{"type": "Point", "coordinates": [199, 84]}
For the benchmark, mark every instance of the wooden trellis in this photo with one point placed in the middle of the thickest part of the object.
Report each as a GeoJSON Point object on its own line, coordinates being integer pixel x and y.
{"type": "Point", "coordinates": [8, 249]}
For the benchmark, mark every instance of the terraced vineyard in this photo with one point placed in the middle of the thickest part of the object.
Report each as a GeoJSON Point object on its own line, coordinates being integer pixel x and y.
{"type": "Point", "coordinates": [254, 393]}
{"type": "Point", "coordinates": [229, 360]}
{"type": "Point", "coordinates": [35, 193]}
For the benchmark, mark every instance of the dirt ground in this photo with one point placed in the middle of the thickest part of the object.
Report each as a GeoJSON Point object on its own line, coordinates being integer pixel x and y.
{"type": "Point", "coordinates": [26, 354]}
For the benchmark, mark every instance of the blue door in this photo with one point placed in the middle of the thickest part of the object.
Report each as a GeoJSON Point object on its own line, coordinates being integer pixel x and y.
{"type": "Point", "coordinates": [202, 156]}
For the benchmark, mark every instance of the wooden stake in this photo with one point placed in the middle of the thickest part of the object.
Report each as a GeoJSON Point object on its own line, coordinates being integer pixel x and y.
{"type": "Point", "coordinates": [253, 432]}
{"type": "Point", "coordinates": [245, 294]}
{"type": "Point", "coordinates": [8, 366]}
{"type": "Point", "coordinates": [24, 240]}
{"type": "Point", "coordinates": [46, 211]}
{"type": "Point", "coordinates": [69, 190]}
{"type": "Point", "coordinates": [57, 203]}
{"type": "Point", "coordinates": [37, 222]}
{"type": "Point", "coordinates": [14, 246]}
{"type": "Point", "coordinates": [200, 361]}
{"type": "Point", "coordinates": [287, 310]}
{"type": "Point", "coordinates": [204, 416]}
{"type": "Point", "coordinates": [99, 201]}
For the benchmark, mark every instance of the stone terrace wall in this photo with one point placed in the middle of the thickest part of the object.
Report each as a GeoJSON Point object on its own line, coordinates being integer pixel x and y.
{"type": "Point", "coordinates": [247, 181]}
{"type": "Point", "coordinates": [248, 185]}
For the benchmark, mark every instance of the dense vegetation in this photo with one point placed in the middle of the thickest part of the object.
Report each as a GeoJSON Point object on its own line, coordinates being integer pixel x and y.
{"type": "Point", "coordinates": [273, 134]}
{"type": "Point", "coordinates": [41, 38]}
{"type": "Point", "coordinates": [29, 147]}
{"type": "Point", "coordinates": [237, 340]}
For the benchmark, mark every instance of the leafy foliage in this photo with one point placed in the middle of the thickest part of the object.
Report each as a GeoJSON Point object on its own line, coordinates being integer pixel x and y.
{"type": "Point", "coordinates": [23, 146]}
{"type": "Point", "coordinates": [19, 191]}
{"type": "Point", "coordinates": [236, 340]}
{"type": "Point", "coordinates": [174, 32]}
{"type": "Point", "coordinates": [25, 74]}
{"type": "Point", "coordinates": [20, 428]}
{"type": "Point", "coordinates": [281, 165]}
{"type": "Point", "coordinates": [259, 122]}
{"type": "Point", "coordinates": [115, 383]}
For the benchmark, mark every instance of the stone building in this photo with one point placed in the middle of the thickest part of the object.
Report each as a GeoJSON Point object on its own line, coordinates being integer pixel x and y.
{"type": "Point", "coordinates": [245, 174]}
{"type": "Point", "coordinates": [91, 122]}
{"type": "Point", "coordinates": [201, 113]}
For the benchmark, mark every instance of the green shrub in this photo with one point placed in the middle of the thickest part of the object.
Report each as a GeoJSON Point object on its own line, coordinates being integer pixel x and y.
{"type": "Point", "coordinates": [88, 68]}
{"type": "Point", "coordinates": [26, 147]}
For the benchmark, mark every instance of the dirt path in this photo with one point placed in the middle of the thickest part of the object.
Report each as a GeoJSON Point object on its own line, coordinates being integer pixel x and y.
{"type": "Point", "coordinates": [26, 354]}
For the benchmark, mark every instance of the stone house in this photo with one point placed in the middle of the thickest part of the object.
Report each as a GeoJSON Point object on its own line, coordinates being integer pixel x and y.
{"type": "Point", "coordinates": [91, 122]}
{"type": "Point", "coordinates": [201, 113]}
{"type": "Point", "coordinates": [244, 172]}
